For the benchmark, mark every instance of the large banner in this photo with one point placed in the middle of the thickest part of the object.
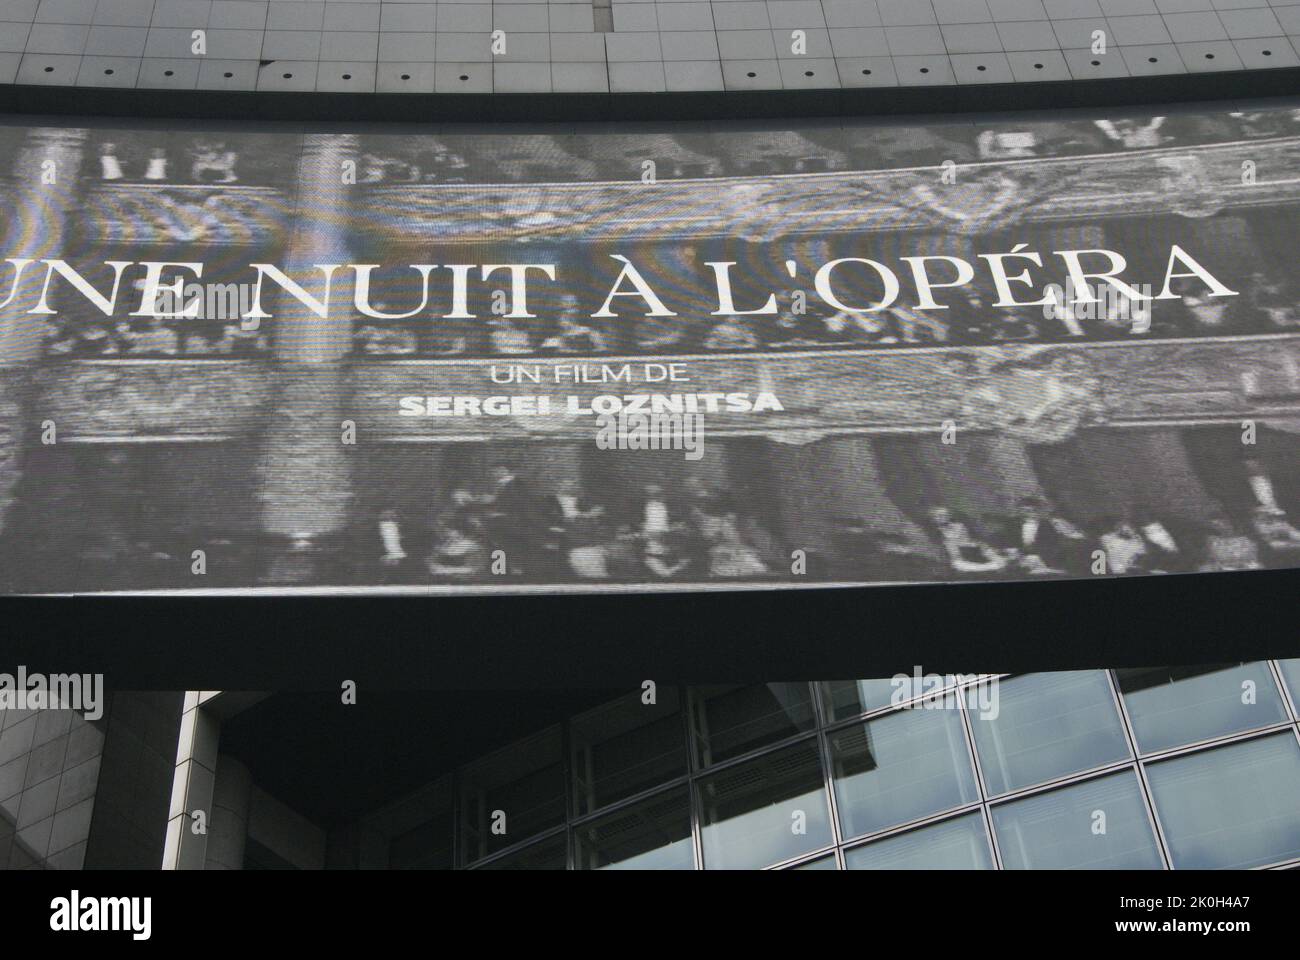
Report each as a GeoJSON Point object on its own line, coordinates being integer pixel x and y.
{"type": "Point", "coordinates": [672, 358]}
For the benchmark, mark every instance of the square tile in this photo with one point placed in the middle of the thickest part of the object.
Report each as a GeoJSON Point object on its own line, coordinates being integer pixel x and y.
{"type": "Point", "coordinates": [1289, 18]}
{"type": "Point", "coordinates": [522, 17]}
{"type": "Point", "coordinates": [13, 37]}
{"type": "Point", "coordinates": [905, 13]}
{"type": "Point", "coordinates": [349, 47]}
{"type": "Point", "coordinates": [36, 839]}
{"type": "Point", "coordinates": [521, 78]}
{"type": "Point", "coordinates": [334, 76]}
{"type": "Point", "coordinates": [859, 42]}
{"type": "Point", "coordinates": [116, 41]}
{"type": "Point", "coordinates": [981, 68]}
{"type": "Point", "coordinates": [633, 17]}
{"type": "Point", "coordinates": [971, 38]}
{"type": "Point", "coordinates": [914, 41]}
{"type": "Point", "coordinates": [421, 47]}
{"type": "Point", "coordinates": [630, 48]}
{"type": "Point", "coordinates": [228, 75]}
{"type": "Point", "coordinates": [1071, 9]}
{"type": "Point", "coordinates": [1005, 11]}
{"type": "Point", "coordinates": [746, 45]}
{"type": "Point", "coordinates": [795, 14]}
{"type": "Point", "coordinates": [1265, 52]}
{"type": "Point", "coordinates": [1183, 6]}
{"type": "Point", "coordinates": [672, 16]}
{"type": "Point", "coordinates": [408, 17]}
{"type": "Point", "coordinates": [521, 47]}
{"type": "Point", "coordinates": [65, 38]}
{"type": "Point", "coordinates": [232, 44]}
{"type": "Point", "coordinates": [71, 826]}
{"type": "Point", "coordinates": [116, 13]}
{"type": "Point", "coordinates": [688, 45]}
{"type": "Point", "coordinates": [851, 13]}
{"type": "Point", "coordinates": [741, 15]}
{"type": "Point", "coordinates": [1210, 56]}
{"type": "Point", "coordinates": [809, 73]}
{"type": "Point", "coordinates": [1086, 65]}
{"type": "Point", "coordinates": [78, 784]}
{"type": "Point", "coordinates": [358, 17]}
{"type": "Point", "coordinates": [464, 18]}
{"type": "Point", "coordinates": [1152, 60]}
{"type": "Point", "coordinates": [1080, 33]}
{"type": "Point", "coordinates": [1128, 31]}
{"type": "Point", "coordinates": [9, 66]}
{"type": "Point", "coordinates": [684, 75]}
{"type": "Point", "coordinates": [463, 77]}
{"type": "Point", "coordinates": [751, 74]}
{"type": "Point", "coordinates": [173, 42]}
{"type": "Point", "coordinates": [405, 78]}
{"type": "Point", "coordinates": [288, 75]}
{"type": "Point", "coordinates": [239, 14]}
{"type": "Point", "coordinates": [108, 71]}
{"type": "Point", "coordinates": [38, 803]}
{"type": "Point", "coordinates": [300, 15]}
{"type": "Point", "coordinates": [17, 11]}
{"type": "Point", "coordinates": [577, 17]}
{"type": "Point", "coordinates": [1246, 24]}
{"type": "Point", "coordinates": [13, 775]}
{"type": "Point", "coordinates": [866, 71]}
{"type": "Point", "coordinates": [579, 78]}
{"type": "Point", "coordinates": [924, 71]}
{"type": "Point", "coordinates": [578, 48]}
{"type": "Point", "coordinates": [168, 74]}
{"type": "Point", "coordinates": [1192, 27]}
{"type": "Point", "coordinates": [962, 11]}
{"type": "Point", "coordinates": [65, 11]}
{"type": "Point", "coordinates": [1030, 65]}
{"type": "Point", "coordinates": [1028, 35]}
{"type": "Point", "coordinates": [181, 13]}
{"type": "Point", "coordinates": [1128, 8]}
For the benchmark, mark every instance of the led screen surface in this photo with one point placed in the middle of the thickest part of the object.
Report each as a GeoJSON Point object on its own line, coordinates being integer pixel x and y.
{"type": "Point", "coordinates": [678, 358]}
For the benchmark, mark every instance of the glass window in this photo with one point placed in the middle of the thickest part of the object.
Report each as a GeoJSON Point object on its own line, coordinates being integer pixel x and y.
{"type": "Point", "coordinates": [1046, 725]}
{"type": "Point", "coordinates": [848, 698]}
{"type": "Point", "coordinates": [1233, 806]}
{"type": "Point", "coordinates": [765, 810]}
{"type": "Point", "coordinates": [654, 834]}
{"type": "Point", "coordinates": [625, 748]}
{"type": "Point", "coordinates": [821, 863]}
{"type": "Point", "coordinates": [1099, 824]}
{"type": "Point", "coordinates": [1291, 673]}
{"type": "Point", "coordinates": [961, 843]}
{"type": "Point", "coordinates": [426, 847]}
{"type": "Point", "coordinates": [548, 854]}
{"type": "Point", "coordinates": [512, 795]}
{"type": "Point", "coordinates": [1172, 706]}
{"type": "Point", "coordinates": [730, 721]}
{"type": "Point", "coordinates": [419, 829]}
{"type": "Point", "coordinates": [901, 766]}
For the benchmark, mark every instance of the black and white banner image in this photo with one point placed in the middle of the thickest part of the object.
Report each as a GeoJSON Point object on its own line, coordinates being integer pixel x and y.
{"type": "Point", "coordinates": [690, 358]}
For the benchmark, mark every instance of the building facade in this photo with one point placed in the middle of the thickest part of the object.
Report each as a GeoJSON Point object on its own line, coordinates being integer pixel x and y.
{"type": "Point", "coordinates": [1166, 768]}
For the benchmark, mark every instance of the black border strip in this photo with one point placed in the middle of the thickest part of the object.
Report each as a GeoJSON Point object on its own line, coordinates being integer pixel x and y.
{"type": "Point", "coordinates": [567, 642]}
{"type": "Point", "coordinates": [690, 105]}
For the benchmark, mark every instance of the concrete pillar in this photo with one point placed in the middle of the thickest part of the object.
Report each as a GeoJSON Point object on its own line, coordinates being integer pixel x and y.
{"type": "Point", "coordinates": [306, 483]}
{"type": "Point", "coordinates": [228, 828]}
